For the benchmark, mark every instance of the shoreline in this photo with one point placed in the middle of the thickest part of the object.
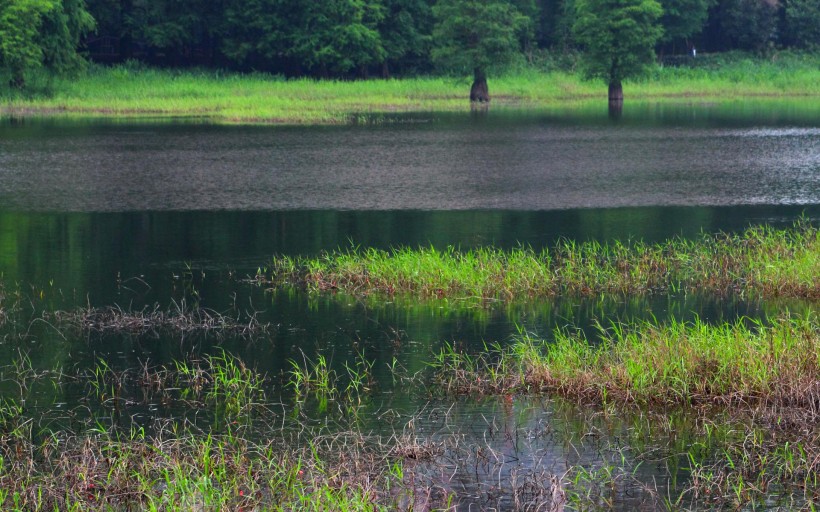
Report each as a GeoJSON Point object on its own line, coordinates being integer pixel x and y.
{"type": "Point", "coordinates": [123, 92]}
{"type": "Point", "coordinates": [216, 117]}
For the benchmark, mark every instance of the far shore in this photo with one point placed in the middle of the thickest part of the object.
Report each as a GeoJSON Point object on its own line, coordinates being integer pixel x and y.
{"type": "Point", "coordinates": [127, 93]}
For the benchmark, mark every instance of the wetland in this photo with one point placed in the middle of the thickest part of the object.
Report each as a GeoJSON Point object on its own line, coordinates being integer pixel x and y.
{"type": "Point", "coordinates": [562, 311]}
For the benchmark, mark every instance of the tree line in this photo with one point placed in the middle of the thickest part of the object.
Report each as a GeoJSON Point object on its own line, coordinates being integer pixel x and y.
{"type": "Point", "coordinates": [359, 38]}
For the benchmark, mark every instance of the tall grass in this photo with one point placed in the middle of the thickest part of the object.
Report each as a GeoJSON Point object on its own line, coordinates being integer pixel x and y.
{"type": "Point", "coordinates": [760, 261]}
{"type": "Point", "coordinates": [134, 90]}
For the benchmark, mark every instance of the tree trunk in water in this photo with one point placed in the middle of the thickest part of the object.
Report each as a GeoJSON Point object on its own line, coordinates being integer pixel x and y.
{"type": "Point", "coordinates": [616, 110]}
{"type": "Point", "coordinates": [479, 91]}
{"type": "Point", "coordinates": [616, 93]}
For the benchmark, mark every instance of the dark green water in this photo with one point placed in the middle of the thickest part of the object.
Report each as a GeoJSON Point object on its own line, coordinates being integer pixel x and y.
{"type": "Point", "coordinates": [137, 214]}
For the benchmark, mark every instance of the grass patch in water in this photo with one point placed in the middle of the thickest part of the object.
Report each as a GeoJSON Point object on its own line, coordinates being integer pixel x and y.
{"type": "Point", "coordinates": [761, 261]}
{"type": "Point", "coordinates": [676, 363]}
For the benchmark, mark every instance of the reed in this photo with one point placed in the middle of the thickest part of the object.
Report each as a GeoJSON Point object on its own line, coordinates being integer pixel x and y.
{"type": "Point", "coordinates": [761, 261]}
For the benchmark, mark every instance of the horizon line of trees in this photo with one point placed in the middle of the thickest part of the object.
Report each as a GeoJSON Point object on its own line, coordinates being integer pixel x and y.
{"type": "Point", "coordinates": [360, 38]}
{"type": "Point", "coordinates": [381, 37]}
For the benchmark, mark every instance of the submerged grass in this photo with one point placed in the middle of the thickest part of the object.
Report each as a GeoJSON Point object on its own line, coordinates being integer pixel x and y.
{"type": "Point", "coordinates": [133, 90]}
{"type": "Point", "coordinates": [742, 363]}
{"type": "Point", "coordinates": [761, 261]}
{"type": "Point", "coordinates": [102, 463]}
{"type": "Point", "coordinates": [179, 318]}
{"type": "Point", "coordinates": [515, 459]}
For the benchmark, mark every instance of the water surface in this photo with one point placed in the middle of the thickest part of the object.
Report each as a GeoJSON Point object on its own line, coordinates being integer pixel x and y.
{"type": "Point", "coordinates": [439, 162]}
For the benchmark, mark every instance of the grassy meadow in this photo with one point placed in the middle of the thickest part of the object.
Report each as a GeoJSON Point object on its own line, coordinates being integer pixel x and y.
{"type": "Point", "coordinates": [128, 91]}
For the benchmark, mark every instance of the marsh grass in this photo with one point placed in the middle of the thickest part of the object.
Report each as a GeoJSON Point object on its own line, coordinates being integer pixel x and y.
{"type": "Point", "coordinates": [743, 363]}
{"type": "Point", "coordinates": [287, 463]}
{"type": "Point", "coordinates": [273, 463]}
{"type": "Point", "coordinates": [131, 90]}
{"type": "Point", "coordinates": [761, 261]}
{"type": "Point", "coordinates": [175, 469]}
{"type": "Point", "coordinates": [742, 465]}
{"type": "Point", "coordinates": [11, 301]}
{"type": "Point", "coordinates": [317, 378]}
{"type": "Point", "coordinates": [219, 382]}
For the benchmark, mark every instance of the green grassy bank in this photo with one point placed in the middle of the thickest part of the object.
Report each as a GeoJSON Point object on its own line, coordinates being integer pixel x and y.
{"type": "Point", "coordinates": [129, 91]}
{"type": "Point", "coordinates": [761, 261]}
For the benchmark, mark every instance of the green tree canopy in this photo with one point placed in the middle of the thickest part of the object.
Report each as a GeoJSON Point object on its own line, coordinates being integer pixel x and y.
{"type": "Point", "coordinates": [683, 18]}
{"type": "Point", "coordinates": [619, 37]}
{"type": "Point", "coordinates": [406, 33]}
{"type": "Point", "coordinates": [473, 35]}
{"type": "Point", "coordinates": [61, 33]}
{"type": "Point", "coordinates": [36, 33]}
{"type": "Point", "coordinates": [20, 22]}
{"type": "Point", "coordinates": [334, 36]}
{"type": "Point", "coordinates": [748, 24]}
{"type": "Point", "coordinates": [803, 23]}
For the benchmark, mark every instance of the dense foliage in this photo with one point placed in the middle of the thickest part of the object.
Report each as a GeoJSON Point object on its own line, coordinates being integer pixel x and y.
{"type": "Point", "coordinates": [619, 38]}
{"type": "Point", "coordinates": [36, 33]}
{"type": "Point", "coordinates": [472, 35]}
{"type": "Point", "coordinates": [356, 38]}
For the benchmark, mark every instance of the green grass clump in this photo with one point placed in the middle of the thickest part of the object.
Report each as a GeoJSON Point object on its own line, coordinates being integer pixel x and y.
{"type": "Point", "coordinates": [761, 261]}
{"type": "Point", "coordinates": [742, 362]}
{"type": "Point", "coordinates": [225, 382]}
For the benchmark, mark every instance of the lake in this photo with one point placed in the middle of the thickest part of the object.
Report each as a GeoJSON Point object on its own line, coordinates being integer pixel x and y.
{"type": "Point", "coordinates": [133, 214]}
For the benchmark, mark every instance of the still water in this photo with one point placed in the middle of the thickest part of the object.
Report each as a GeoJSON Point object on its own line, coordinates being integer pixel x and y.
{"type": "Point", "coordinates": [434, 162]}
{"type": "Point", "coordinates": [143, 213]}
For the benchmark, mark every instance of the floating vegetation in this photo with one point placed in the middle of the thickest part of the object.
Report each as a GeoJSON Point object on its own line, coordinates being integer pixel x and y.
{"type": "Point", "coordinates": [179, 319]}
{"type": "Point", "coordinates": [761, 261]}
